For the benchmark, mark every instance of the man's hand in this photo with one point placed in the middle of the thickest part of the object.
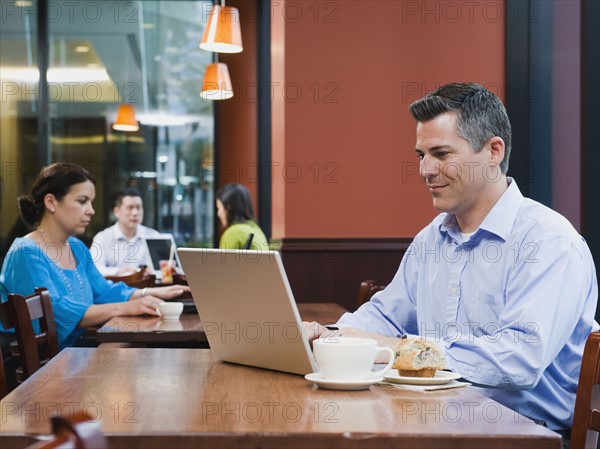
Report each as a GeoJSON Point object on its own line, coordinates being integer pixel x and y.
{"type": "Point", "coordinates": [314, 330]}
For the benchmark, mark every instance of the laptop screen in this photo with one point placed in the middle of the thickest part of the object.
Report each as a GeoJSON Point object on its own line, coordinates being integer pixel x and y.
{"type": "Point", "coordinates": [159, 248]}
{"type": "Point", "coordinates": [248, 309]}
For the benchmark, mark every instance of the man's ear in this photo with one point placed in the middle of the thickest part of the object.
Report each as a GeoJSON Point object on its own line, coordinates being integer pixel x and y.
{"type": "Point", "coordinates": [116, 211]}
{"type": "Point", "coordinates": [497, 147]}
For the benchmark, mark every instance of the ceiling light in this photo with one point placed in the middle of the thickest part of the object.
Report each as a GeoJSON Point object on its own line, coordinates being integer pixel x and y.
{"type": "Point", "coordinates": [126, 119]}
{"type": "Point", "coordinates": [55, 75]}
{"type": "Point", "coordinates": [216, 84]}
{"type": "Point", "coordinates": [222, 33]}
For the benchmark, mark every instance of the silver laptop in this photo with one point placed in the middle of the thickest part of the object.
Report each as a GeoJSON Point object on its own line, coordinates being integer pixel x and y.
{"type": "Point", "coordinates": [247, 308]}
{"type": "Point", "coordinates": [159, 248]}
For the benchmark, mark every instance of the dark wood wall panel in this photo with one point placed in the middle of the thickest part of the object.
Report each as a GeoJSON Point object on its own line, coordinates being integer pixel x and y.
{"type": "Point", "coordinates": [330, 270]}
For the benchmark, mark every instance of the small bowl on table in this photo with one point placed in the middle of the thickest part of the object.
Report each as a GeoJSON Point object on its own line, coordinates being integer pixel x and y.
{"type": "Point", "coordinates": [170, 310]}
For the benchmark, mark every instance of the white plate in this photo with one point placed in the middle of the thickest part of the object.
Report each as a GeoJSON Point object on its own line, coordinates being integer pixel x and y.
{"type": "Point", "coordinates": [440, 378]}
{"type": "Point", "coordinates": [331, 384]}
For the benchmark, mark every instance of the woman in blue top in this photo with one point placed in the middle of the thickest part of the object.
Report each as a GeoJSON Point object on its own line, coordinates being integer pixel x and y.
{"type": "Point", "coordinates": [60, 207]}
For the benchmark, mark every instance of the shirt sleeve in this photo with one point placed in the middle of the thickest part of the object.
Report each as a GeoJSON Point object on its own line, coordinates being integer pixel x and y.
{"type": "Point", "coordinates": [100, 252]}
{"type": "Point", "coordinates": [103, 291]}
{"type": "Point", "coordinates": [392, 311]}
{"type": "Point", "coordinates": [544, 299]}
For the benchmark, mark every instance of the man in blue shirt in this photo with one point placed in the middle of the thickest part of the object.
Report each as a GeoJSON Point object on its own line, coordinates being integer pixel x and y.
{"type": "Point", "coordinates": [504, 284]}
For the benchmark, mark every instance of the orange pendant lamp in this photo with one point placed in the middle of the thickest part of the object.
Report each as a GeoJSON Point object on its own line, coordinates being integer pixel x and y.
{"type": "Point", "coordinates": [216, 84]}
{"type": "Point", "coordinates": [222, 33]}
{"type": "Point", "coordinates": [126, 119]}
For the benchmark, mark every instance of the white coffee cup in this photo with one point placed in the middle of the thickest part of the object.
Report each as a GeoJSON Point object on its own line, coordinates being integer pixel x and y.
{"type": "Point", "coordinates": [170, 310]}
{"type": "Point", "coordinates": [347, 358]}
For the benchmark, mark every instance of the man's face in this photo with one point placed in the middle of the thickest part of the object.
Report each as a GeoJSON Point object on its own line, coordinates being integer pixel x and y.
{"type": "Point", "coordinates": [130, 213]}
{"type": "Point", "coordinates": [453, 172]}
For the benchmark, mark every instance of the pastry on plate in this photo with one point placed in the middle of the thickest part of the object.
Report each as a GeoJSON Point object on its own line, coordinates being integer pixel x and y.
{"type": "Point", "coordinates": [418, 357]}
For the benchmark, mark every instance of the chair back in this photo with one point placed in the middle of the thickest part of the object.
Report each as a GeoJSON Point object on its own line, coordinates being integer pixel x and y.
{"type": "Point", "coordinates": [148, 280]}
{"type": "Point", "coordinates": [248, 243]}
{"type": "Point", "coordinates": [20, 312]}
{"type": "Point", "coordinates": [139, 279]}
{"type": "Point", "coordinates": [367, 289]}
{"type": "Point", "coordinates": [586, 419]}
{"type": "Point", "coordinates": [179, 279]}
{"type": "Point", "coordinates": [79, 432]}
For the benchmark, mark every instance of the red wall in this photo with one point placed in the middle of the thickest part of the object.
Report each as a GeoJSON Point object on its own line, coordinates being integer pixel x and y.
{"type": "Point", "coordinates": [237, 118]}
{"type": "Point", "coordinates": [343, 76]}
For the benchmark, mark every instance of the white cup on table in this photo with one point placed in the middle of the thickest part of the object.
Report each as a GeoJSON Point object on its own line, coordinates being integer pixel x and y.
{"type": "Point", "coordinates": [347, 358]}
{"type": "Point", "coordinates": [170, 310]}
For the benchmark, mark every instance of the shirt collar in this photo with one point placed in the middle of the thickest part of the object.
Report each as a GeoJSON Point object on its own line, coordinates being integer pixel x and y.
{"type": "Point", "coordinates": [118, 234]}
{"type": "Point", "coordinates": [500, 218]}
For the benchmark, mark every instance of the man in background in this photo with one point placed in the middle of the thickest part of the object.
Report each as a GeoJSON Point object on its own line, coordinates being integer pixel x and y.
{"type": "Point", "coordinates": [121, 249]}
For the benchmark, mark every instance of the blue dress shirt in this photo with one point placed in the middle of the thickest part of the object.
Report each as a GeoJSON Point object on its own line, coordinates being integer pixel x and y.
{"type": "Point", "coordinates": [27, 266]}
{"type": "Point", "coordinates": [512, 306]}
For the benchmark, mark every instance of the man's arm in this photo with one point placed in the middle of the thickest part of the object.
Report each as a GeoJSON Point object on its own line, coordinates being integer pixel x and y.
{"type": "Point", "coordinates": [546, 298]}
{"type": "Point", "coordinates": [391, 312]}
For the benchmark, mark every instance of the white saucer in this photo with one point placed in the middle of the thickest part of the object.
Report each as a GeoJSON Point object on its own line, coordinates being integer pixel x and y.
{"type": "Point", "coordinates": [440, 378]}
{"type": "Point", "coordinates": [331, 384]}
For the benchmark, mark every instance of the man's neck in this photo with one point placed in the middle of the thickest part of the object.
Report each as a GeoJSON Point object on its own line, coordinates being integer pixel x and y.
{"type": "Point", "coordinates": [127, 232]}
{"type": "Point", "coordinates": [469, 222]}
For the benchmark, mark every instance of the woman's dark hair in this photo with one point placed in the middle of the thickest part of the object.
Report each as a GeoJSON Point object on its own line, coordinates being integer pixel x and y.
{"type": "Point", "coordinates": [237, 202]}
{"type": "Point", "coordinates": [56, 179]}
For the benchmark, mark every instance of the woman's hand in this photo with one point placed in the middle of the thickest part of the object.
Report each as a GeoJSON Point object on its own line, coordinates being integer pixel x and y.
{"type": "Point", "coordinates": [143, 306]}
{"type": "Point", "coordinates": [169, 292]}
{"type": "Point", "coordinates": [101, 313]}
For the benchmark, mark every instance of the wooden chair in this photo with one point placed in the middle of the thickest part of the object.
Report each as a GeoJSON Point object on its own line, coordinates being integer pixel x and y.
{"type": "Point", "coordinates": [248, 243]}
{"type": "Point", "coordinates": [179, 279]}
{"type": "Point", "coordinates": [586, 419]}
{"type": "Point", "coordinates": [366, 290]}
{"type": "Point", "coordinates": [79, 432]}
{"type": "Point", "coordinates": [20, 313]}
{"type": "Point", "coordinates": [139, 279]}
{"type": "Point", "coordinates": [148, 280]}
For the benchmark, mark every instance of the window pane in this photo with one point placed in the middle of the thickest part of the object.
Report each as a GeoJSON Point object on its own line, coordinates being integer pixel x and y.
{"type": "Point", "coordinates": [143, 53]}
{"type": "Point", "coordinates": [18, 119]}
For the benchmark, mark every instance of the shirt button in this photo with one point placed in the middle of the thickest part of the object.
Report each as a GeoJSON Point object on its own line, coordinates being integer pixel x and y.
{"type": "Point", "coordinates": [462, 252]}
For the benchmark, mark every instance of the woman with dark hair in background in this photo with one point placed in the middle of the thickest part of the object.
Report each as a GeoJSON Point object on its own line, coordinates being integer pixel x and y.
{"type": "Point", "coordinates": [59, 208]}
{"type": "Point", "coordinates": [236, 214]}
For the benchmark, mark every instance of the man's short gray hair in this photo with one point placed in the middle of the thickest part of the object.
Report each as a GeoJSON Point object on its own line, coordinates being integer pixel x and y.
{"type": "Point", "coordinates": [481, 114]}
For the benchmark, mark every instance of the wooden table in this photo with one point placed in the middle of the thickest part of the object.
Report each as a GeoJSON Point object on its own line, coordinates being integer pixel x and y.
{"type": "Point", "coordinates": [156, 398]}
{"type": "Point", "coordinates": [188, 329]}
